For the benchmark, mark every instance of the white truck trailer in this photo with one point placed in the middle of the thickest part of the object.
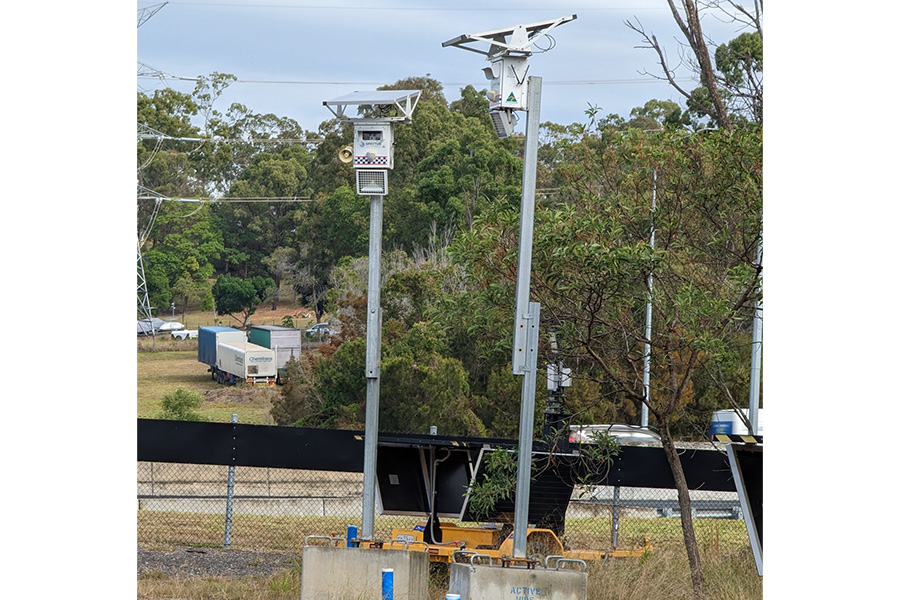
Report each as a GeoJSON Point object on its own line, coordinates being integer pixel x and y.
{"type": "Point", "coordinates": [243, 361]}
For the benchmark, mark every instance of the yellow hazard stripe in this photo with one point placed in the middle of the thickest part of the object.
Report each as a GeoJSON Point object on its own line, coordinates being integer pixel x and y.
{"type": "Point", "coordinates": [741, 439]}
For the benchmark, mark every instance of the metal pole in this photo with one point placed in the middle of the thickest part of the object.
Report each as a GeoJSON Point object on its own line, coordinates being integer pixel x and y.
{"type": "Point", "coordinates": [527, 320]}
{"type": "Point", "coordinates": [526, 434]}
{"type": "Point", "coordinates": [373, 367]}
{"type": "Point", "coordinates": [648, 330]}
{"type": "Point", "coordinates": [615, 518]}
{"type": "Point", "coordinates": [526, 222]}
{"type": "Point", "coordinates": [756, 356]}
{"type": "Point", "coordinates": [229, 499]}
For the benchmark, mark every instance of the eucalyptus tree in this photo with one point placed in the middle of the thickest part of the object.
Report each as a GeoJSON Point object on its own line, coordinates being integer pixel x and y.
{"type": "Point", "coordinates": [731, 82]}
{"type": "Point", "coordinates": [592, 260]}
{"type": "Point", "coordinates": [262, 209]}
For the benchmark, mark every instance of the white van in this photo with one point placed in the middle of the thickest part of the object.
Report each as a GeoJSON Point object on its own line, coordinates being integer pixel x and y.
{"type": "Point", "coordinates": [728, 422]}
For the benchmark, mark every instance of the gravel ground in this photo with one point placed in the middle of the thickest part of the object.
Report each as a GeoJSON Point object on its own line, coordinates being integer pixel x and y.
{"type": "Point", "coordinates": [213, 562]}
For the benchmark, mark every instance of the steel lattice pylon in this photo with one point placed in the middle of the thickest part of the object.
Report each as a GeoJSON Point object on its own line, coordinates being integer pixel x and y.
{"type": "Point", "coordinates": [143, 298]}
{"type": "Point", "coordinates": [145, 13]}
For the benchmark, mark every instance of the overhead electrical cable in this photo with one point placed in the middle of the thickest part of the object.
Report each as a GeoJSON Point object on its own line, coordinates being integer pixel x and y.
{"type": "Point", "coordinates": [233, 199]}
{"type": "Point", "coordinates": [381, 7]}
{"type": "Point", "coordinates": [445, 83]}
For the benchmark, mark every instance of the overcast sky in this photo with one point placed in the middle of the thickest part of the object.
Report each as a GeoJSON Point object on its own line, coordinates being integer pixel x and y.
{"type": "Point", "coordinates": [291, 55]}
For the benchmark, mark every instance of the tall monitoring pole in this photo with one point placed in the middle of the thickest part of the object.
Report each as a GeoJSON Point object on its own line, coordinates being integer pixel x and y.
{"type": "Point", "coordinates": [648, 325]}
{"type": "Point", "coordinates": [372, 154]}
{"type": "Point", "coordinates": [512, 90]}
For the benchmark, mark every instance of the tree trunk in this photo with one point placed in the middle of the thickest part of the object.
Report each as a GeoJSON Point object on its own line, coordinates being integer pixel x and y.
{"type": "Point", "coordinates": [684, 503]}
{"type": "Point", "coordinates": [277, 293]}
{"type": "Point", "coordinates": [693, 31]}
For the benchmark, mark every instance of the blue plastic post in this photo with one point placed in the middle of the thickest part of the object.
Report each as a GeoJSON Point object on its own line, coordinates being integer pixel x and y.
{"type": "Point", "coordinates": [387, 584]}
{"type": "Point", "coordinates": [351, 535]}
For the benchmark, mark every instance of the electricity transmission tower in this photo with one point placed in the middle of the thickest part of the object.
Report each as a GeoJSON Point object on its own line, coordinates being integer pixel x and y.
{"type": "Point", "coordinates": [143, 300]}
{"type": "Point", "coordinates": [145, 13]}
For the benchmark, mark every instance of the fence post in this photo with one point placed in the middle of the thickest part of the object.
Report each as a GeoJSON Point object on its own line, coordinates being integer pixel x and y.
{"type": "Point", "coordinates": [615, 518]}
{"type": "Point", "coordinates": [229, 500]}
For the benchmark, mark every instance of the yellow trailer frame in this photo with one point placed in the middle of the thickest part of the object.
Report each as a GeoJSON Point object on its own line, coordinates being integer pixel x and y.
{"type": "Point", "coordinates": [470, 543]}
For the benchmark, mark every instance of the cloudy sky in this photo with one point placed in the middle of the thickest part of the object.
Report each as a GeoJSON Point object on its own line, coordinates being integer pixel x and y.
{"type": "Point", "coordinates": [291, 55]}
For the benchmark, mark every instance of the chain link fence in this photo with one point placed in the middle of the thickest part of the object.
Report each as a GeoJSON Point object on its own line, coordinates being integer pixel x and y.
{"type": "Point", "coordinates": [274, 510]}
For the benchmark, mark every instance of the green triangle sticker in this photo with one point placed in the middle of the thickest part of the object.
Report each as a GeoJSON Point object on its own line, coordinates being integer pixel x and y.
{"type": "Point", "coordinates": [511, 98]}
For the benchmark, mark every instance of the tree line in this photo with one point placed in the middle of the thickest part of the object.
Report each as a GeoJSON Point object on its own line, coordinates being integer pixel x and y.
{"type": "Point", "coordinates": [450, 236]}
{"type": "Point", "coordinates": [286, 215]}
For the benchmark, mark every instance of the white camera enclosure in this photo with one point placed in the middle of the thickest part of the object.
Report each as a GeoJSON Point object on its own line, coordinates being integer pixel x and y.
{"type": "Point", "coordinates": [373, 145]}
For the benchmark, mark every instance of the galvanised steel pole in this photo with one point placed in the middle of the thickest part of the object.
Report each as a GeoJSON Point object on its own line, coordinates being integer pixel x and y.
{"type": "Point", "coordinates": [373, 367]}
{"type": "Point", "coordinates": [526, 222]}
{"type": "Point", "coordinates": [756, 357]}
{"type": "Point", "coordinates": [526, 321]}
{"type": "Point", "coordinates": [648, 330]}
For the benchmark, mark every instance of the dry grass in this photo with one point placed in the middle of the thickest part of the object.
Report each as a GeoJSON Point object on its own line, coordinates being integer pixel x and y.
{"type": "Point", "coordinates": [169, 530]}
{"type": "Point", "coordinates": [594, 533]}
{"type": "Point", "coordinates": [264, 315]}
{"type": "Point", "coordinates": [161, 373]}
{"type": "Point", "coordinates": [729, 570]}
{"type": "Point", "coordinates": [662, 575]}
{"type": "Point", "coordinates": [281, 586]}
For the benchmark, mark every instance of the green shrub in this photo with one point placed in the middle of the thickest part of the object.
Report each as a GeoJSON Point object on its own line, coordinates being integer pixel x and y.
{"type": "Point", "coordinates": [180, 406]}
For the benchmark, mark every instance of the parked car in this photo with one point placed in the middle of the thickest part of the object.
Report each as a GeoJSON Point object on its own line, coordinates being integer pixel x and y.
{"type": "Point", "coordinates": [319, 330]}
{"type": "Point", "coordinates": [149, 326]}
{"type": "Point", "coordinates": [184, 334]}
{"type": "Point", "coordinates": [624, 434]}
{"type": "Point", "coordinates": [171, 326]}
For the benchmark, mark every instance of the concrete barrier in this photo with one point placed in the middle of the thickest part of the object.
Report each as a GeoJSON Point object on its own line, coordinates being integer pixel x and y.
{"type": "Point", "coordinates": [330, 573]}
{"type": "Point", "coordinates": [514, 583]}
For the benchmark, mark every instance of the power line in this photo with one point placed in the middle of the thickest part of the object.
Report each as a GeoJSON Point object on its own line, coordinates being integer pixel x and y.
{"type": "Point", "coordinates": [148, 133]}
{"type": "Point", "coordinates": [151, 195]}
{"type": "Point", "coordinates": [409, 8]}
{"type": "Point", "coordinates": [444, 83]}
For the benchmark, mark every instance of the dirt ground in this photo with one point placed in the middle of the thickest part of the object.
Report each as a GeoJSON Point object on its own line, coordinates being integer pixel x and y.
{"type": "Point", "coordinates": [264, 315]}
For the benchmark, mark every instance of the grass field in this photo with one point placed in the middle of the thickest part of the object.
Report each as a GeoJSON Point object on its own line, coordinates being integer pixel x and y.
{"type": "Point", "coordinates": [165, 365]}
{"type": "Point", "coordinates": [163, 372]}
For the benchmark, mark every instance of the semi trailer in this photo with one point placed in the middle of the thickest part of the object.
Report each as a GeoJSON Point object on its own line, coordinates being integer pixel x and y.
{"type": "Point", "coordinates": [284, 341]}
{"type": "Point", "coordinates": [231, 358]}
{"type": "Point", "coordinates": [243, 361]}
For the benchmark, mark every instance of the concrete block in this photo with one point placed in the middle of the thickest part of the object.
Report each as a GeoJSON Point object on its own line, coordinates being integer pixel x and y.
{"type": "Point", "coordinates": [330, 573]}
{"type": "Point", "coordinates": [484, 582]}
